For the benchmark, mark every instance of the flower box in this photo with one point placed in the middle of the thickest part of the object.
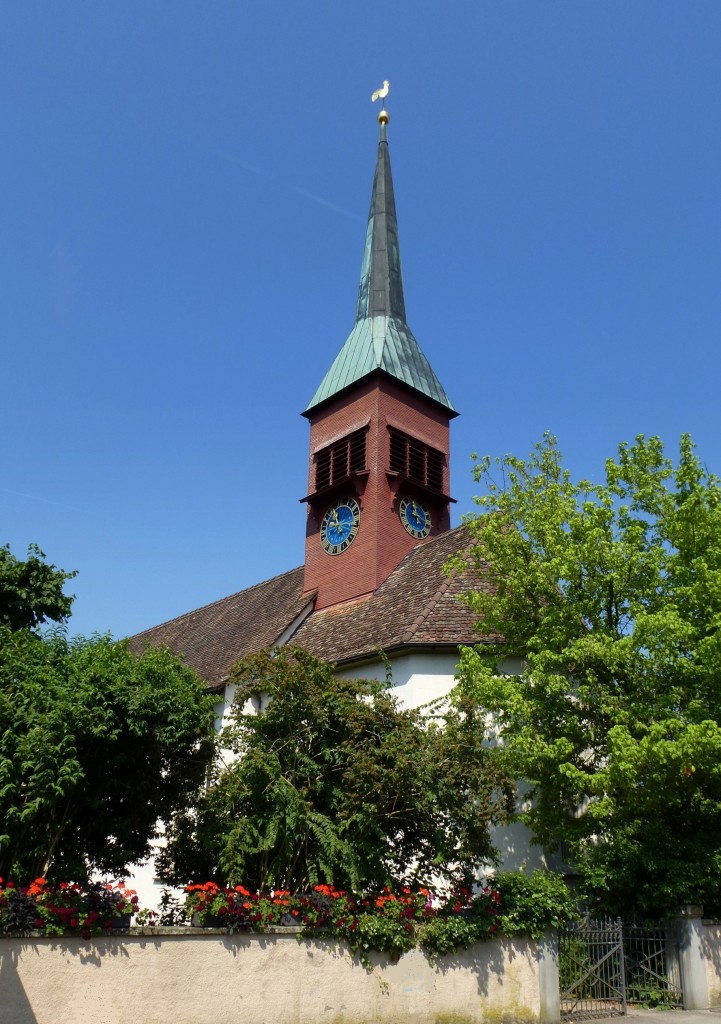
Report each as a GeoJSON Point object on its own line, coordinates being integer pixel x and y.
{"type": "Point", "coordinates": [211, 921]}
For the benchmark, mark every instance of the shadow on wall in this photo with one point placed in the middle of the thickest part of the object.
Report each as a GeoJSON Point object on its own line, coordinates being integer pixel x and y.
{"type": "Point", "coordinates": [712, 952]}
{"type": "Point", "coordinates": [15, 1006]}
{"type": "Point", "coordinates": [483, 959]}
{"type": "Point", "coordinates": [518, 852]}
{"type": "Point", "coordinates": [490, 961]}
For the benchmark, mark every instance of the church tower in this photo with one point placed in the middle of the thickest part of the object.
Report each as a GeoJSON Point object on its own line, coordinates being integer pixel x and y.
{"type": "Point", "coordinates": [379, 430]}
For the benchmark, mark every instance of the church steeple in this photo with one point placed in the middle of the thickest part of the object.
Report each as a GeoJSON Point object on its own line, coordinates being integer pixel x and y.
{"type": "Point", "coordinates": [381, 282]}
{"type": "Point", "coordinates": [381, 339]}
{"type": "Point", "coordinates": [378, 473]}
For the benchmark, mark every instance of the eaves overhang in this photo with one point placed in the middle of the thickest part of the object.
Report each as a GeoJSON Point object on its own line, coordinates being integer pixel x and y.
{"type": "Point", "coordinates": [393, 650]}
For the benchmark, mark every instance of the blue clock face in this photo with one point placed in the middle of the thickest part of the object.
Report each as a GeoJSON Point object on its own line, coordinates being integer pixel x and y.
{"type": "Point", "coordinates": [415, 517]}
{"type": "Point", "coordinates": [340, 525]}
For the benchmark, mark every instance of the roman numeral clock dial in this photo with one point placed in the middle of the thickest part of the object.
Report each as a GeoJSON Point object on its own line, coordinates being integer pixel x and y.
{"type": "Point", "coordinates": [339, 527]}
{"type": "Point", "coordinates": [415, 517]}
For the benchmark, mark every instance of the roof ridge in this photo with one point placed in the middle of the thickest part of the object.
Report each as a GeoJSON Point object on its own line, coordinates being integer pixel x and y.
{"type": "Point", "coordinates": [220, 600]}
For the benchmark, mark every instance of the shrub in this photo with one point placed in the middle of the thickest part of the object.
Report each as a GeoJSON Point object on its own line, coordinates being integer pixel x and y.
{"type": "Point", "coordinates": [530, 904]}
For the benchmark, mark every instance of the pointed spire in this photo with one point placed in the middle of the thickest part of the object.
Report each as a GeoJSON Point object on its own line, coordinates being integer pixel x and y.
{"type": "Point", "coordinates": [381, 339]}
{"type": "Point", "coordinates": [381, 283]}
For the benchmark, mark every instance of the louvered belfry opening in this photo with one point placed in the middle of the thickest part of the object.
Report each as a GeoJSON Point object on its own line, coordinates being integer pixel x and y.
{"type": "Point", "coordinates": [340, 460]}
{"type": "Point", "coordinates": [415, 460]}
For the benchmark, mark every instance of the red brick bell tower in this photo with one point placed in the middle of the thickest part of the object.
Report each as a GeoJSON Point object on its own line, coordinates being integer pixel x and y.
{"type": "Point", "coordinates": [378, 481]}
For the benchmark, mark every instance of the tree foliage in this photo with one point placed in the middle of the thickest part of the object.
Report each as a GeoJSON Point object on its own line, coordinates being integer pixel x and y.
{"type": "Point", "coordinates": [96, 744]}
{"type": "Point", "coordinates": [610, 594]}
{"type": "Point", "coordinates": [336, 783]}
{"type": "Point", "coordinates": [31, 592]}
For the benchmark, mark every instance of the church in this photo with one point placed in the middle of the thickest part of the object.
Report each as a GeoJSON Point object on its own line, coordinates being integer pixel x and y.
{"type": "Point", "coordinates": [373, 590]}
{"type": "Point", "coordinates": [377, 511]}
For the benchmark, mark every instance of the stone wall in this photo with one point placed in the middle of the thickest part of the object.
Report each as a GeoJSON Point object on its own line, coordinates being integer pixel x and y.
{"type": "Point", "coordinates": [185, 976]}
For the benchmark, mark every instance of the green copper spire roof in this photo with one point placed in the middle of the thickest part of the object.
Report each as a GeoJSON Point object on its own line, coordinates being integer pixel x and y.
{"type": "Point", "coordinates": [381, 283]}
{"type": "Point", "coordinates": [381, 339]}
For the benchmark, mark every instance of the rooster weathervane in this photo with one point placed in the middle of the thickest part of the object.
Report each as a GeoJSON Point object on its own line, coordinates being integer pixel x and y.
{"type": "Point", "coordinates": [380, 94]}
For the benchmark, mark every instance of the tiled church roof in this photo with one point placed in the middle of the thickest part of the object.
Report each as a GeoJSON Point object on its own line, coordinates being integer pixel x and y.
{"type": "Point", "coordinates": [211, 639]}
{"type": "Point", "coordinates": [417, 606]}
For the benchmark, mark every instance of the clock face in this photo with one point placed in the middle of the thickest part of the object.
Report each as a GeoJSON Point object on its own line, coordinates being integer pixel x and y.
{"type": "Point", "coordinates": [415, 517]}
{"type": "Point", "coordinates": [340, 525]}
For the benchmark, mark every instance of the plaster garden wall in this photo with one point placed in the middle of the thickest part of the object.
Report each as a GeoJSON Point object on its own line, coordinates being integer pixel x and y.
{"type": "Point", "coordinates": [712, 957]}
{"type": "Point", "coordinates": [215, 978]}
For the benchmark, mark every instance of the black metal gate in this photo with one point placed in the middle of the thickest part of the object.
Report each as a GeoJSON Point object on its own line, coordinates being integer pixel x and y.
{"type": "Point", "coordinates": [605, 964]}
{"type": "Point", "coordinates": [653, 963]}
{"type": "Point", "coordinates": [591, 969]}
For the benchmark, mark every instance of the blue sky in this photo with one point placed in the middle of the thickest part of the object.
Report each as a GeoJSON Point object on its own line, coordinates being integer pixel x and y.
{"type": "Point", "coordinates": [185, 187]}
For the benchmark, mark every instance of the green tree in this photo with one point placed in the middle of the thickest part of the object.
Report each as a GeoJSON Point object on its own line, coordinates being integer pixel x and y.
{"type": "Point", "coordinates": [336, 783]}
{"type": "Point", "coordinates": [610, 596]}
{"type": "Point", "coordinates": [96, 744]}
{"type": "Point", "coordinates": [31, 592]}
